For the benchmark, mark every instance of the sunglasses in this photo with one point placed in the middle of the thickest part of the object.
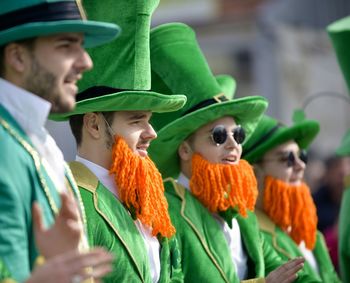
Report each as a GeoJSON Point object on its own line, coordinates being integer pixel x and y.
{"type": "Point", "coordinates": [219, 134]}
{"type": "Point", "coordinates": [290, 158]}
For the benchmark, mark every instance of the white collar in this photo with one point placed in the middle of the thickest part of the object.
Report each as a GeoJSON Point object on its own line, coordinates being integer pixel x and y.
{"type": "Point", "coordinates": [184, 181]}
{"type": "Point", "coordinates": [101, 173]}
{"type": "Point", "coordinates": [28, 109]}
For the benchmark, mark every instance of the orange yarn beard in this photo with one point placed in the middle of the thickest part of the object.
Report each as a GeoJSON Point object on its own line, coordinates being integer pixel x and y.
{"type": "Point", "coordinates": [140, 188]}
{"type": "Point", "coordinates": [291, 206]}
{"type": "Point", "coordinates": [220, 186]}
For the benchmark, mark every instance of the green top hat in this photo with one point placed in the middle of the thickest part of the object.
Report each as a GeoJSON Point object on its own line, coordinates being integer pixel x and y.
{"type": "Point", "coordinates": [339, 32]}
{"type": "Point", "coordinates": [344, 148]}
{"type": "Point", "coordinates": [270, 133]}
{"type": "Point", "coordinates": [121, 74]}
{"type": "Point", "coordinates": [124, 63]}
{"type": "Point", "coordinates": [105, 99]}
{"type": "Point", "coordinates": [22, 19]}
{"type": "Point", "coordinates": [179, 63]}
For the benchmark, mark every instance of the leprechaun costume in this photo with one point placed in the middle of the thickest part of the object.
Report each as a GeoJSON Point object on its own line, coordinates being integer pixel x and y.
{"type": "Point", "coordinates": [120, 83]}
{"type": "Point", "coordinates": [25, 177]}
{"type": "Point", "coordinates": [268, 135]}
{"type": "Point", "coordinates": [339, 33]}
{"type": "Point", "coordinates": [178, 65]}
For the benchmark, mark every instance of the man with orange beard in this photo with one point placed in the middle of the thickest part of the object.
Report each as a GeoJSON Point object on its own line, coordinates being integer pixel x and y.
{"type": "Point", "coordinates": [285, 209]}
{"type": "Point", "coordinates": [210, 191]}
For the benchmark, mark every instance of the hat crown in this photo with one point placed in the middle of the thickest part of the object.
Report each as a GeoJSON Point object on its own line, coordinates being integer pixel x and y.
{"type": "Point", "coordinates": [8, 6]}
{"type": "Point", "coordinates": [125, 63]}
{"type": "Point", "coordinates": [176, 44]}
{"type": "Point", "coordinates": [179, 66]}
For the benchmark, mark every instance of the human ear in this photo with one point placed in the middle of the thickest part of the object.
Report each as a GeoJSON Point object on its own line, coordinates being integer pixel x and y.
{"type": "Point", "coordinates": [92, 124]}
{"type": "Point", "coordinates": [16, 57]}
{"type": "Point", "coordinates": [185, 151]}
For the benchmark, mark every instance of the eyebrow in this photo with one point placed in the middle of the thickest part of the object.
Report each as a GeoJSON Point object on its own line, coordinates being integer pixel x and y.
{"type": "Point", "coordinates": [137, 116]}
{"type": "Point", "coordinates": [70, 38]}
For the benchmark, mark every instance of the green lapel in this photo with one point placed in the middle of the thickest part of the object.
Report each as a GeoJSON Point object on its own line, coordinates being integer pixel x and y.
{"type": "Point", "coordinates": [118, 219]}
{"type": "Point", "coordinates": [206, 228]}
{"type": "Point", "coordinates": [48, 188]}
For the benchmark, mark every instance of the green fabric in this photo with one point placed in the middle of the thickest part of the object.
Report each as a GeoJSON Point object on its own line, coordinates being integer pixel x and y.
{"type": "Point", "coordinates": [344, 235]}
{"type": "Point", "coordinates": [123, 63]}
{"type": "Point", "coordinates": [288, 249]}
{"type": "Point", "coordinates": [179, 65]}
{"type": "Point", "coordinates": [124, 101]}
{"type": "Point", "coordinates": [111, 226]}
{"type": "Point", "coordinates": [344, 147]}
{"type": "Point", "coordinates": [204, 248]}
{"type": "Point", "coordinates": [4, 273]}
{"type": "Point", "coordinates": [270, 133]}
{"type": "Point", "coordinates": [20, 186]}
{"type": "Point", "coordinates": [96, 33]}
{"type": "Point", "coordinates": [339, 32]}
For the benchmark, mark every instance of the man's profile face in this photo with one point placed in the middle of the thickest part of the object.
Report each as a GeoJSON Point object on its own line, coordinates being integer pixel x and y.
{"type": "Point", "coordinates": [275, 163]}
{"type": "Point", "coordinates": [56, 63]}
{"type": "Point", "coordinates": [135, 129]}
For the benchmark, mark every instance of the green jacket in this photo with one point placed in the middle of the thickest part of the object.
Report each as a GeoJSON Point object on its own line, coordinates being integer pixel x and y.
{"type": "Point", "coordinates": [23, 179]}
{"type": "Point", "coordinates": [205, 252]}
{"type": "Point", "coordinates": [111, 226]}
{"type": "Point", "coordinates": [344, 234]}
{"type": "Point", "coordinates": [288, 249]}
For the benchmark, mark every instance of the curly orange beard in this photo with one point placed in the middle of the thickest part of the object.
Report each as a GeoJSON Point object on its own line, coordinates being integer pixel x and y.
{"type": "Point", "coordinates": [221, 186]}
{"type": "Point", "coordinates": [140, 188]}
{"type": "Point", "coordinates": [291, 207]}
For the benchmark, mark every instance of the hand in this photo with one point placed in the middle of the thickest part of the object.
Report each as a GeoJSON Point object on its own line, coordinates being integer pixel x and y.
{"type": "Point", "coordinates": [64, 235]}
{"type": "Point", "coordinates": [287, 272]}
{"type": "Point", "coordinates": [63, 268]}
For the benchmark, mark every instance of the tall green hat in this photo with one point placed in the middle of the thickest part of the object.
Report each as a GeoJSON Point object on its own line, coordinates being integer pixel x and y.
{"type": "Point", "coordinates": [121, 75]}
{"type": "Point", "coordinates": [339, 32]}
{"type": "Point", "coordinates": [124, 63]}
{"type": "Point", "coordinates": [344, 148]}
{"type": "Point", "coordinates": [271, 133]}
{"type": "Point", "coordinates": [22, 19]}
{"type": "Point", "coordinates": [179, 63]}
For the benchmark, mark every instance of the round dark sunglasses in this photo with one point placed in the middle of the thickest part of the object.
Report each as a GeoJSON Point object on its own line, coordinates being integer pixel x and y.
{"type": "Point", "coordinates": [219, 134]}
{"type": "Point", "coordinates": [289, 158]}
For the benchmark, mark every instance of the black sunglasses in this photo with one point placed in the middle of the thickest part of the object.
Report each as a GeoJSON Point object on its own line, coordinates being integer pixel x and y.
{"type": "Point", "coordinates": [290, 159]}
{"type": "Point", "coordinates": [219, 134]}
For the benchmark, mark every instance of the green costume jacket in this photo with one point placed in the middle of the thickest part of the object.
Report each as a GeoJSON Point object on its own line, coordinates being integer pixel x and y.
{"type": "Point", "coordinates": [111, 226]}
{"type": "Point", "coordinates": [23, 179]}
{"type": "Point", "coordinates": [205, 252]}
{"type": "Point", "coordinates": [288, 249]}
{"type": "Point", "coordinates": [344, 234]}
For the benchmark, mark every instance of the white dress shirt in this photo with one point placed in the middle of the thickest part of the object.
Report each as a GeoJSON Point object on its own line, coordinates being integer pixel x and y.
{"type": "Point", "coordinates": [232, 235]}
{"type": "Point", "coordinates": [151, 242]}
{"type": "Point", "coordinates": [31, 112]}
{"type": "Point", "coordinates": [309, 256]}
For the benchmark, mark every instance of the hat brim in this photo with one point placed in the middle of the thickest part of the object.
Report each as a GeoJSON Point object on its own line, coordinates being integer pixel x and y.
{"type": "Point", "coordinates": [302, 133]}
{"type": "Point", "coordinates": [126, 101]}
{"type": "Point", "coordinates": [95, 33]}
{"type": "Point", "coordinates": [344, 148]}
{"type": "Point", "coordinates": [163, 150]}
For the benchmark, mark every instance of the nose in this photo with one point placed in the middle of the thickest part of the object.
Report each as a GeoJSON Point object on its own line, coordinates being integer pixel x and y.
{"type": "Point", "coordinates": [299, 164]}
{"type": "Point", "coordinates": [149, 133]}
{"type": "Point", "coordinates": [230, 142]}
{"type": "Point", "coordinates": [83, 62]}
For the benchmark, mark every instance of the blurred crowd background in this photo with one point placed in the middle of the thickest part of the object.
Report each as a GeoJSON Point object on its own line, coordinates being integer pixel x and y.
{"type": "Point", "coordinates": [278, 49]}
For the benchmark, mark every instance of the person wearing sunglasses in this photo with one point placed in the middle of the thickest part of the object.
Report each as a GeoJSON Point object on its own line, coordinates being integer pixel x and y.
{"type": "Point", "coordinates": [285, 208]}
{"type": "Point", "coordinates": [211, 192]}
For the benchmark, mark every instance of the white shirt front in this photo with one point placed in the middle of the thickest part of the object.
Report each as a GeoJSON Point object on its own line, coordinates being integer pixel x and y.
{"type": "Point", "coordinates": [151, 242]}
{"type": "Point", "coordinates": [31, 112]}
{"type": "Point", "coordinates": [309, 256]}
{"type": "Point", "coordinates": [232, 235]}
